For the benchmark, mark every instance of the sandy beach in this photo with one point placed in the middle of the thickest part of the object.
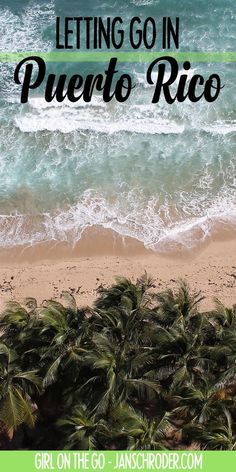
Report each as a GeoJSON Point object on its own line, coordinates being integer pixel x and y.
{"type": "Point", "coordinates": [45, 271]}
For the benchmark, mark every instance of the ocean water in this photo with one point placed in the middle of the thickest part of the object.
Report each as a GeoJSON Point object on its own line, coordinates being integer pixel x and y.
{"type": "Point", "coordinates": [165, 175]}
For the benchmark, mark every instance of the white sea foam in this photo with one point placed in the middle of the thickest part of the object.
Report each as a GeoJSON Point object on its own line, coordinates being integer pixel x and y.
{"type": "Point", "coordinates": [221, 127]}
{"type": "Point", "coordinates": [141, 78]}
{"type": "Point", "coordinates": [142, 3]}
{"type": "Point", "coordinates": [39, 103]}
{"type": "Point", "coordinates": [97, 116]}
{"type": "Point", "coordinates": [23, 32]}
{"type": "Point", "coordinates": [146, 225]}
{"type": "Point", "coordinates": [66, 120]}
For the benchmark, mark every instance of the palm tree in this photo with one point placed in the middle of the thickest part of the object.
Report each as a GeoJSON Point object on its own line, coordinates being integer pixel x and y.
{"type": "Point", "coordinates": [138, 371]}
{"type": "Point", "coordinates": [14, 321]}
{"type": "Point", "coordinates": [82, 430]}
{"type": "Point", "coordinates": [63, 332]}
{"type": "Point", "coordinates": [17, 389]}
{"type": "Point", "coordinates": [142, 433]}
{"type": "Point", "coordinates": [125, 293]}
{"type": "Point", "coordinates": [226, 317]}
{"type": "Point", "coordinates": [221, 437]}
{"type": "Point", "coordinates": [217, 435]}
{"type": "Point", "coordinates": [201, 406]}
{"type": "Point", "coordinates": [112, 364]}
{"type": "Point", "coordinates": [173, 307]}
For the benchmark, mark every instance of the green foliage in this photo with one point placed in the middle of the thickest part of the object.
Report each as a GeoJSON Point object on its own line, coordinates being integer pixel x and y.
{"type": "Point", "coordinates": [141, 370]}
{"type": "Point", "coordinates": [16, 389]}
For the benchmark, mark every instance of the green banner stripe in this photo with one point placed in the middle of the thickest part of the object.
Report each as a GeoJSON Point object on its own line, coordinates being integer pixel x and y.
{"type": "Point", "coordinates": [121, 56]}
{"type": "Point", "coordinates": [114, 461]}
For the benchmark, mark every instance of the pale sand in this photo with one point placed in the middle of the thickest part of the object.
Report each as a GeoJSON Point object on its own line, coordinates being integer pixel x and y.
{"type": "Point", "coordinates": [44, 272]}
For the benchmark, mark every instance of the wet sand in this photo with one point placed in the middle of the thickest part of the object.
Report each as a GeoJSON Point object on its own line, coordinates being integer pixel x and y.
{"type": "Point", "coordinates": [46, 270]}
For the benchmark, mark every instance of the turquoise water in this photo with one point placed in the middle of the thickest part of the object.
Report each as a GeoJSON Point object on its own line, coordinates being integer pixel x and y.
{"type": "Point", "coordinates": [162, 174]}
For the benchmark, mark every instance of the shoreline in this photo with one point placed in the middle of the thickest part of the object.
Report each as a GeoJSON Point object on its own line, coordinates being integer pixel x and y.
{"type": "Point", "coordinates": [44, 271]}
{"type": "Point", "coordinates": [98, 241]}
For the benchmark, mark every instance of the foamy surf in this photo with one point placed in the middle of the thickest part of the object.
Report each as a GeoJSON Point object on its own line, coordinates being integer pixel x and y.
{"type": "Point", "coordinates": [164, 175]}
{"type": "Point", "coordinates": [66, 123]}
{"type": "Point", "coordinates": [24, 32]}
{"type": "Point", "coordinates": [221, 127]}
{"type": "Point", "coordinates": [159, 230]}
{"type": "Point", "coordinates": [97, 116]}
